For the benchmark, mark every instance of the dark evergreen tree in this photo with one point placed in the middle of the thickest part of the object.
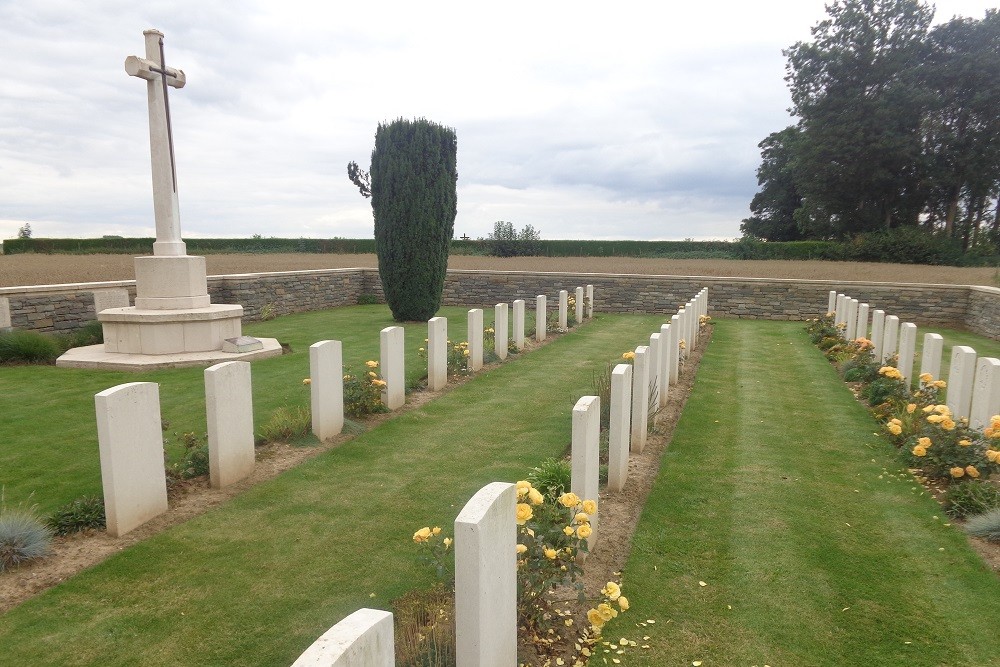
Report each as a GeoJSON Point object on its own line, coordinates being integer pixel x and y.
{"type": "Point", "coordinates": [774, 207]}
{"type": "Point", "coordinates": [412, 184]}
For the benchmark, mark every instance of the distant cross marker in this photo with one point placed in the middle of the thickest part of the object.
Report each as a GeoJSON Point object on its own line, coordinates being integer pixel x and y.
{"type": "Point", "coordinates": [158, 76]}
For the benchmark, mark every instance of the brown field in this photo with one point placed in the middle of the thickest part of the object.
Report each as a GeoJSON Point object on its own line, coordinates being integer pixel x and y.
{"type": "Point", "coordinates": [20, 270]}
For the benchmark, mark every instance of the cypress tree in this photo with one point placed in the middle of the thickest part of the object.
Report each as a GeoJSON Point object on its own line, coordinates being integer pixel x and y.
{"type": "Point", "coordinates": [413, 192]}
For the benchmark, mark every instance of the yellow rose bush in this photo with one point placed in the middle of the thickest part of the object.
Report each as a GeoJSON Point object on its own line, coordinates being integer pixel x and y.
{"type": "Point", "coordinates": [457, 359]}
{"type": "Point", "coordinates": [363, 391]}
{"type": "Point", "coordinates": [436, 550]}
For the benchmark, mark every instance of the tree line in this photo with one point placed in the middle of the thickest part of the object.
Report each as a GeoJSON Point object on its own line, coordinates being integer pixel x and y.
{"type": "Point", "coordinates": [897, 132]}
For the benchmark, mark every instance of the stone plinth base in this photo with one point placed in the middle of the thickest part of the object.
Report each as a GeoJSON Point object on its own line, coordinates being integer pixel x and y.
{"type": "Point", "coordinates": [171, 283]}
{"type": "Point", "coordinates": [95, 356]}
{"type": "Point", "coordinates": [140, 331]}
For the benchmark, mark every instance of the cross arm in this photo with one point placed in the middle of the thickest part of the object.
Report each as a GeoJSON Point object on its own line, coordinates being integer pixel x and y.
{"type": "Point", "coordinates": [144, 69]}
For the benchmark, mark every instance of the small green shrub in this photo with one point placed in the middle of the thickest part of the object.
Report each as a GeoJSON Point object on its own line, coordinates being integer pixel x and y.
{"type": "Point", "coordinates": [92, 333]}
{"type": "Point", "coordinates": [85, 513]}
{"type": "Point", "coordinates": [268, 312]}
{"type": "Point", "coordinates": [29, 347]}
{"type": "Point", "coordinates": [194, 462]}
{"type": "Point", "coordinates": [552, 477]}
{"type": "Point", "coordinates": [986, 526]}
{"type": "Point", "coordinates": [368, 300]}
{"type": "Point", "coordinates": [23, 537]}
{"type": "Point", "coordinates": [971, 498]}
{"type": "Point", "coordinates": [286, 424]}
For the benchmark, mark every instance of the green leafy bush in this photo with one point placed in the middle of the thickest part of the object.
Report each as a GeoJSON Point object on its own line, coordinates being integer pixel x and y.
{"type": "Point", "coordinates": [505, 241]}
{"type": "Point", "coordinates": [363, 391]}
{"type": "Point", "coordinates": [23, 537]}
{"type": "Point", "coordinates": [194, 462]}
{"type": "Point", "coordinates": [971, 498]}
{"type": "Point", "coordinates": [904, 245]}
{"type": "Point", "coordinates": [986, 526]}
{"type": "Point", "coordinates": [29, 347]}
{"type": "Point", "coordinates": [85, 513]}
{"type": "Point", "coordinates": [552, 477]}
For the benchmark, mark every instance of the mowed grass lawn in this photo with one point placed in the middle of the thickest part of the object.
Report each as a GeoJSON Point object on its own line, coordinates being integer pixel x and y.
{"type": "Point", "coordinates": [255, 581]}
{"type": "Point", "coordinates": [814, 544]}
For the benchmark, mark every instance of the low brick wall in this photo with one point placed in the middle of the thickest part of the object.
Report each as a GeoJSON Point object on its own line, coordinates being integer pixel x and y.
{"type": "Point", "coordinates": [66, 307]}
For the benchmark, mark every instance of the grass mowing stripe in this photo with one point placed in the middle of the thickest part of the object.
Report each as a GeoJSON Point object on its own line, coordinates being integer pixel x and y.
{"type": "Point", "coordinates": [258, 579]}
{"type": "Point", "coordinates": [771, 493]}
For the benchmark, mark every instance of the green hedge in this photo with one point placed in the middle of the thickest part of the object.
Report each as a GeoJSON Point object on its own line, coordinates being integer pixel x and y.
{"type": "Point", "coordinates": [138, 246]}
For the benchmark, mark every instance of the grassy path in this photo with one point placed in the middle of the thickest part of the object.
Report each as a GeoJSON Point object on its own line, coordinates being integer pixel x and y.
{"type": "Point", "coordinates": [257, 580]}
{"type": "Point", "coordinates": [814, 549]}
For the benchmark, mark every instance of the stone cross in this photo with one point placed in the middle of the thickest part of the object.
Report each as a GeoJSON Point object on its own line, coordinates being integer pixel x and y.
{"type": "Point", "coordinates": [161, 147]}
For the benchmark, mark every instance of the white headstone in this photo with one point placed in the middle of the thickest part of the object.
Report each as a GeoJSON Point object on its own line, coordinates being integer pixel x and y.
{"type": "Point", "coordinates": [840, 314]}
{"type": "Point", "coordinates": [664, 387]}
{"type": "Point", "coordinates": [682, 351]}
{"type": "Point", "coordinates": [437, 353]}
{"type": "Point", "coordinates": [131, 447]}
{"type": "Point", "coordinates": [326, 388]}
{"type": "Point", "coordinates": [519, 324]}
{"type": "Point", "coordinates": [930, 359]}
{"type": "Point", "coordinates": [586, 455]}
{"type": "Point", "coordinates": [486, 578]}
{"type": "Point", "coordinates": [590, 301]}
{"type": "Point", "coordinates": [474, 328]}
{"type": "Point", "coordinates": [229, 410]}
{"type": "Point", "coordinates": [500, 326]}
{"type": "Point", "coordinates": [907, 348]}
{"type": "Point", "coordinates": [961, 376]}
{"type": "Point", "coordinates": [620, 426]}
{"type": "Point", "coordinates": [852, 319]}
{"type": "Point", "coordinates": [391, 354]}
{"type": "Point", "coordinates": [640, 397]}
{"type": "Point", "coordinates": [578, 306]}
{"type": "Point", "coordinates": [655, 350]}
{"type": "Point", "coordinates": [116, 297]}
{"type": "Point", "coordinates": [878, 328]}
{"type": "Point", "coordinates": [541, 318]}
{"type": "Point", "coordinates": [861, 328]}
{"type": "Point", "coordinates": [675, 353]}
{"type": "Point", "coordinates": [831, 302]}
{"type": "Point", "coordinates": [985, 393]}
{"type": "Point", "coordinates": [693, 329]}
{"type": "Point", "coordinates": [890, 337]}
{"type": "Point", "coordinates": [563, 309]}
{"type": "Point", "coordinates": [4, 314]}
{"type": "Point", "coordinates": [363, 639]}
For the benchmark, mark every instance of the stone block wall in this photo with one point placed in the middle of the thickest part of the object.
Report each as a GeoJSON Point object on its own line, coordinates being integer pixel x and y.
{"type": "Point", "coordinates": [66, 307]}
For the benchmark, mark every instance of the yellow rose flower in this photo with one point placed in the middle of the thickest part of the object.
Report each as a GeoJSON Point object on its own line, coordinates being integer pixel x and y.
{"type": "Point", "coordinates": [346, 378]}
{"type": "Point", "coordinates": [942, 410]}
{"type": "Point", "coordinates": [895, 429]}
{"type": "Point", "coordinates": [894, 420]}
{"type": "Point", "coordinates": [307, 381]}
{"type": "Point", "coordinates": [521, 548]}
{"type": "Point", "coordinates": [447, 542]}
{"type": "Point", "coordinates": [523, 513]}
{"type": "Point", "coordinates": [929, 408]}
{"type": "Point", "coordinates": [919, 451]}
{"type": "Point", "coordinates": [378, 383]}
{"type": "Point", "coordinates": [948, 424]}
{"type": "Point", "coordinates": [422, 535]}
{"type": "Point", "coordinates": [595, 619]}
{"type": "Point", "coordinates": [465, 353]}
{"type": "Point", "coordinates": [939, 384]}
{"type": "Point", "coordinates": [934, 419]}
{"type": "Point", "coordinates": [628, 356]}
{"type": "Point", "coordinates": [972, 471]}
{"type": "Point", "coordinates": [590, 507]}
{"type": "Point", "coordinates": [623, 603]}
{"type": "Point", "coordinates": [993, 455]}
{"type": "Point", "coordinates": [569, 500]}
{"type": "Point", "coordinates": [612, 590]}
{"type": "Point", "coordinates": [964, 443]}
{"type": "Point", "coordinates": [550, 553]}
{"type": "Point", "coordinates": [568, 530]}
{"type": "Point", "coordinates": [372, 374]}
{"type": "Point", "coordinates": [584, 531]}
{"type": "Point", "coordinates": [606, 611]}
{"type": "Point", "coordinates": [926, 378]}
{"type": "Point", "coordinates": [371, 364]}
{"type": "Point", "coordinates": [522, 488]}
{"type": "Point", "coordinates": [581, 517]}
{"type": "Point", "coordinates": [535, 497]}
{"type": "Point", "coordinates": [924, 442]}
{"type": "Point", "coordinates": [910, 407]}
{"type": "Point", "coordinates": [436, 530]}
{"type": "Point", "coordinates": [957, 472]}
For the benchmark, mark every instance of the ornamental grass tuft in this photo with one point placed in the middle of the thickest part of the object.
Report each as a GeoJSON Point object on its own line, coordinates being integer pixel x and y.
{"type": "Point", "coordinates": [970, 498]}
{"type": "Point", "coordinates": [28, 347]}
{"type": "Point", "coordinates": [986, 526]}
{"type": "Point", "coordinates": [84, 513]}
{"type": "Point", "coordinates": [23, 537]}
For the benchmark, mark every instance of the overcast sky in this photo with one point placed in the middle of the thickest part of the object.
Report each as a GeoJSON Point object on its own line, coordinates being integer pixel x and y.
{"type": "Point", "coordinates": [586, 120]}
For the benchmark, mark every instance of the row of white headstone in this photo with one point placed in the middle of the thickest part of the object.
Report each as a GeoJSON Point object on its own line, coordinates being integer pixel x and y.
{"type": "Point", "coordinates": [129, 426]}
{"type": "Point", "coordinates": [486, 537]}
{"type": "Point", "coordinates": [973, 390]}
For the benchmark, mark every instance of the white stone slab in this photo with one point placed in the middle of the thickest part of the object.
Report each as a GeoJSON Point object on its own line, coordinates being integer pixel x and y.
{"type": "Point", "coordinates": [518, 325]}
{"type": "Point", "coordinates": [391, 354]}
{"type": "Point", "coordinates": [961, 376]}
{"type": "Point", "coordinates": [115, 297]}
{"type": "Point", "coordinates": [474, 329]}
{"type": "Point", "coordinates": [930, 358]}
{"type": "Point", "coordinates": [878, 328]}
{"type": "Point", "coordinates": [640, 398]}
{"type": "Point", "coordinates": [131, 452]}
{"type": "Point", "coordinates": [840, 314]}
{"type": "Point", "coordinates": [563, 308]}
{"type": "Point", "coordinates": [578, 306]}
{"type": "Point", "coordinates": [437, 353]}
{"type": "Point", "coordinates": [831, 302]}
{"type": "Point", "coordinates": [861, 328]}
{"type": "Point", "coordinates": [586, 455]}
{"type": "Point", "coordinates": [229, 410]}
{"type": "Point", "coordinates": [363, 639]}
{"type": "Point", "coordinates": [664, 386]}
{"type": "Point", "coordinates": [985, 393]}
{"type": "Point", "coordinates": [675, 353]}
{"type": "Point", "coordinates": [326, 388]}
{"type": "Point", "coordinates": [907, 349]}
{"type": "Point", "coordinates": [500, 327]}
{"type": "Point", "coordinates": [4, 313]}
{"type": "Point", "coordinates": [852, 319]}
{"type": "Point", "coordinates": [486, 578]}
{"type": "Point", "coordinates": [694, 330]}
{"type": "Point", "coordinates": [540, 318]}
{"type": "Point", "coordinates": [890, 338]}
{"type": "Point", "coordinates": [655, 350]}
{"type": "Point", "coordinates": [682, 350]}
{"type": "Point", "coordinates": [620, 426]}
{"type": "Point", "coordinates": [590, 302]}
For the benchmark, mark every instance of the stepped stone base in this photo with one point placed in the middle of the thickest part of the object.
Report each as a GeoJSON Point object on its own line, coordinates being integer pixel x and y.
{"type": "Point", "coordinates": [95, 356]}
